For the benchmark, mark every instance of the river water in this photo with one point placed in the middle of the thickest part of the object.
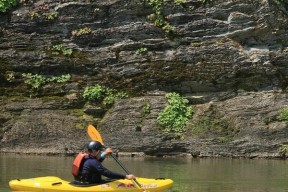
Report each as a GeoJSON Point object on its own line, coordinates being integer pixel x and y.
{"type": "Point", "coordinates": [189, 175]}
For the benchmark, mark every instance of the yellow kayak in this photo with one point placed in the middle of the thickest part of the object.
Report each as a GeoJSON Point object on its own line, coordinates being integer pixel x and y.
{"type": "Point", "coordinates": [51, 183]}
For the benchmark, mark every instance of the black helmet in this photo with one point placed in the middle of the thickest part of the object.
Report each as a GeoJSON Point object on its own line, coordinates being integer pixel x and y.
{"type": "Point", "coordinates": [94, 145]}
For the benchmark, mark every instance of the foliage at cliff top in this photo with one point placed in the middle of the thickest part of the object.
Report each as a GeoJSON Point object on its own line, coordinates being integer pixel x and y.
{"type": "Point", "coordinates": [5, 5]}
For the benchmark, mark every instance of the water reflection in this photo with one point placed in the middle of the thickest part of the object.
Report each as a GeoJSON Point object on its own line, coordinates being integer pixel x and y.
{"type": "Point", "coordinates": [196, 175]}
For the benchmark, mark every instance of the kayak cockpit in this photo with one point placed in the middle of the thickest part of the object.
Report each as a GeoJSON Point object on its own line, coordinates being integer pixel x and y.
{"type": "Point", "coordinates": [85, 184]}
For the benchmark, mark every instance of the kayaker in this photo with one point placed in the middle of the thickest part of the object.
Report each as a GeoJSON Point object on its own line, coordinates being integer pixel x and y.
{"type": "Point", "coordinates": [93, 169]}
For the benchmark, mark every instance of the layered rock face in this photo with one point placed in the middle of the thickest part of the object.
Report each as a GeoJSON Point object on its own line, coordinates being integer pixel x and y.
{"type": "Point", "coordinates": [227, 57]}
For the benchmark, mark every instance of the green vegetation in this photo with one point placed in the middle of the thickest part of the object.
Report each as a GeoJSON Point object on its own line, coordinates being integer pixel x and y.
{"type": "Point", "coordinates": [98, 10]}
{"type": "Point", "coordinates": [212, 122]}
{"type": "Point", "coordinates": [197, 44]}
{"type": "Point", "coordinates": [283, 150]}
{"type": "Point", "coordinates": [158, 17]}
{"type": "Point", "coordinates": [80, 126]}
{"type": "Point", "coordinates": [141, 51]}
{"type": "Point", "coordinates": [103, 94]}
{"type": "Point", "coordinates": [46, 15]}
{"type": "Point", "coordinates": [61, 50]}
{"type": "Point", "coordinates": [41, 11]}
{"type": "Point", "coordinates": [5, 5]}
{"type": "Point", "coordinates": [51, 15]}
{"type": "Point", "coordinates": [36, 81]}
{"type": "Point", "coordinates": [81, 32]}
{"type": "Point", "coordinates": [175, 115]}
{"type": "Point", "coordinates": [283, 114]}
{"type": "Point", "coordinates": [94, 92]}
{"type": "Point", "coordinates": [202, 126]}
{"type": "Point", "coordinates": [60, 79]}
{"type": "Point", "coordinates": [10, 76]}
{"type": "Point", "coordinates": [147, 108]}
{"type": "Point", "coordinates": [225, 139]}
{"type": "Point", "coordinates": [112, 96]}
{"type": "Point", "coordinates": [34, 15]}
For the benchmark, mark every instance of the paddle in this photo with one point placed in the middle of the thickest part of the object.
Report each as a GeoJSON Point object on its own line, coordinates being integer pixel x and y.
{"type": "Point", "coordinates": [95, 136]}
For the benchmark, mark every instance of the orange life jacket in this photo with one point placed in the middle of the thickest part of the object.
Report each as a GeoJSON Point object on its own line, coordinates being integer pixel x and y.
{"type": "Point", "coordinates": [78, 162]}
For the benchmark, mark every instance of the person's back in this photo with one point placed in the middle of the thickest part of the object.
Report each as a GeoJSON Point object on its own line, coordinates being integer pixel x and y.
{"type": "Point", "coordinates": [89, 171]}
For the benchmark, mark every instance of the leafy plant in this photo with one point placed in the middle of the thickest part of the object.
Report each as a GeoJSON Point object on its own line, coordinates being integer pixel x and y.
{"type": "Point", "coordinates": [10, 76]}
{"type": "Point", "coordinates": [41, 12]}
{"type": "Point", "coordinates": [81, 32]}
{"type": "Point", "coordinates": [5, 5]}
{"type": "Point", "coordinates": [197, 44]}
{"type": "Point", "coordinates": [101, 93]}
{"type": "Point", "coordinates": [60, 79]}
{"type": "Point", "coordinates": [97, 10]}
{"type": "Point", "coordinates": [57, 48]}
{"type": "Point", "coordinates": [283, 149]}
{"type": "Point", "coordinates": [51, 15]}
{"type": "Point", "coordinates": [141, 50]}
{"type": "Point", "coordinates": [60, 49]}
{"type": "Point", "coordinates": [112, 96]}
{"type": "Point", "coordinates": [158, 18]}
{"type": "Point", "coordinates": [147, 108]}
{"type": "Point", "coordinates": [34, 80]}
{"type": "Point", "coordinates": [283, 114]}
{"type": "Point", "coordinates": [93, 92]}
{"type": "Point", "coordinates": [37, 81]}
{"type": "Point", "coordinates": [175, 115]}
{"type": "Point", "coordinates": [168, 28]}
{"type": "Point", "coordinates": [34, 15]}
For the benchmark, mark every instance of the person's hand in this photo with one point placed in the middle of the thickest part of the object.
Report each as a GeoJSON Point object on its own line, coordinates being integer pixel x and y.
{"type": "Point", "coordinates": [130, 177]}
{"type": "Point", "coordinates": [108, 151]}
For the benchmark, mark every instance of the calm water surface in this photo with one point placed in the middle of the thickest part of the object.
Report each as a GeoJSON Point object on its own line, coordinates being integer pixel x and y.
{"type": "Point", "coordinates": [195, 175]}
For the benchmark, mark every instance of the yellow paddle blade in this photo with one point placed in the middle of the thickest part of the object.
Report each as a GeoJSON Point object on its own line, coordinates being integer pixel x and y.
{"type": "Point", "coordinates": [94, 134]}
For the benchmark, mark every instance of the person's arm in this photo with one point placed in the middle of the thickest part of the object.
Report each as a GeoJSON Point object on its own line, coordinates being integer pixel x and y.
{"type": "Point", "coordinates": [110, 174]}
{"type": "Point", "coordinates": [104, 154]}
{"type": "Point", "coordinates": [114, 175]}
{"type": "Point", "coordinates": [107, 173]}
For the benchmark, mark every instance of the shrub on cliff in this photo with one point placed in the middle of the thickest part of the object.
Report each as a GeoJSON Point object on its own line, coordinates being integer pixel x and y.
{"type": "Point", "coordinates": [5, 5]}
{"type": "Point", "coordinates": [176, 114]}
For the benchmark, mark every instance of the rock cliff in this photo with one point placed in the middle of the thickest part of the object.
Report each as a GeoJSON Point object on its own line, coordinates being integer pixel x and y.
{"type": "Point", "coordinates": [228, 58]}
